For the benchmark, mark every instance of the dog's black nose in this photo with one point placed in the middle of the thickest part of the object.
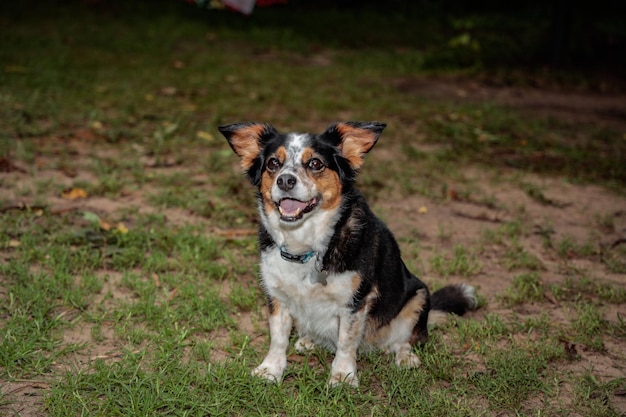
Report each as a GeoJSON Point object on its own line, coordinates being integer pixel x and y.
{"type": "Point", "coordinates": [286, 182]}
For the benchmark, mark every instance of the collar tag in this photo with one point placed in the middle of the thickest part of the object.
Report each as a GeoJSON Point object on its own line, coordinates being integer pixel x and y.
{"type": "Point", "coordinates": [319, 277]}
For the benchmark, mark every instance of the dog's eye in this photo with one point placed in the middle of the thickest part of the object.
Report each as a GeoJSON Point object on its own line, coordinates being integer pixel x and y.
{"type": "Point", "coordinates": [315, 164]}
{"type": "Point", "coordinates": [273, 164]}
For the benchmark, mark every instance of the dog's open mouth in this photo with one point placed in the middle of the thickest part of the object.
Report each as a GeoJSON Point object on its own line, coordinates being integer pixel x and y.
{"type": "Point", "coordinates": [292, 210]}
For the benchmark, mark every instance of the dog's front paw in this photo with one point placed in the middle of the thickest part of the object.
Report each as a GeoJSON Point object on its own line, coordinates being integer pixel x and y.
{"type": "Point", "coordinates": [271, 374]}
{"type": "Point", "coordinates": [337, 379]}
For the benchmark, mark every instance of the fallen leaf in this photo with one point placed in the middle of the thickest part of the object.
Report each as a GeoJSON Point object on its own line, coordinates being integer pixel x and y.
{"type": "Point", "coordinates": [423, 210]}
{"type": "Point", "coordinates": [104, 225]}
{"type": "Point", "coordinates": [206, 136]}
{"type": "Point", "coordinates": [156, 279]}
{"type": "Point", "coordinates": [73, 193]}
{"type": "Point", "coordinates": [169, 91]}
{"type": "Point", "coordinates": [121, 228]}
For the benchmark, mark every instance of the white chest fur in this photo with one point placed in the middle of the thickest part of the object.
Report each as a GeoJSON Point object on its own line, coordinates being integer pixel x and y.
{"type": "Point", "coordinates": [315, 307]}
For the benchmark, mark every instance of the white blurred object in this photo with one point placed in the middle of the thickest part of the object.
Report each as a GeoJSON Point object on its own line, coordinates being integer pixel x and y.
{"type": "Point", "coordinates": [243, 6]}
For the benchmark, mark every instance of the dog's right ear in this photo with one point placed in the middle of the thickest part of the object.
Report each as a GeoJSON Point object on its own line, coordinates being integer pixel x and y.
{"type": "Point", "coordinates": [247, 140]}
{"type": "Point", "coordinates": [354, 139]}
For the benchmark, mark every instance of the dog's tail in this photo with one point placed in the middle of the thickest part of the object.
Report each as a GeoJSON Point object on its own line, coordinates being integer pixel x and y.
{"type": "Point", "coordinates": [457, 299]}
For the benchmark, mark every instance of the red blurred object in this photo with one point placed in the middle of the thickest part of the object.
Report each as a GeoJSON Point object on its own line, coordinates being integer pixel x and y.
{"type": "Point", "coordinates": [267, 3]}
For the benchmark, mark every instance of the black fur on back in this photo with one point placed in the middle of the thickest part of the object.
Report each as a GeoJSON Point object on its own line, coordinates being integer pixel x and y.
{"type": "Point", "coordinates": [363, 243]}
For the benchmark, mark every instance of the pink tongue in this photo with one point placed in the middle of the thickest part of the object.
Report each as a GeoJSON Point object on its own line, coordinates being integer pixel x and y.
{"type": "Point", "coordinates": [289, 206]}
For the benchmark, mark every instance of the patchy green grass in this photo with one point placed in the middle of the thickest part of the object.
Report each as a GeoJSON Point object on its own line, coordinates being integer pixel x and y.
{"type": "Point", "coordinates": [525, 288]}
{"type": "Point", "coordinates": [128, 256]}
{"type": "Point", "coordinates": [461, 262]}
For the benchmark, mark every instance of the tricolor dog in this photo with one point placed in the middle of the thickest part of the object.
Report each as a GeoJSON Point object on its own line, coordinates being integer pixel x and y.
{"type": "Point", "coordinates": [329, 266]}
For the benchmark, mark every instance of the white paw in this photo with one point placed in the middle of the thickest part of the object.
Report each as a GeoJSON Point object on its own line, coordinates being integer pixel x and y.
{"type": "Point", "coordinates": [337, 379]}
{"type": "Point", "coordinates": [407, 360]}
{"type": "Point", "coordinates": [267, 373]}
{"type": "Point", "coordinates": [304, 345]}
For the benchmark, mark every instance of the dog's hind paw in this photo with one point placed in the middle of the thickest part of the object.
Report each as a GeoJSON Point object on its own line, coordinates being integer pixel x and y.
{"type": "Point", "coordinates": [304, 345]}
{"type": "Point", "coordinates": [407, 360]}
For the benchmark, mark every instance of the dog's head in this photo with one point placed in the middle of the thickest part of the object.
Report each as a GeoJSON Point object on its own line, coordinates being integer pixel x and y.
{"type": "Point", "coordinates": [300, 173]}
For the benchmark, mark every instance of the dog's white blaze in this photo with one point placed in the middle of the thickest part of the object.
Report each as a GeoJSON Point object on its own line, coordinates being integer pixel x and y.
{"type": "Point", "coordinates": [304, 189]}
{"type": "Point", "coordinates": [295, 145]}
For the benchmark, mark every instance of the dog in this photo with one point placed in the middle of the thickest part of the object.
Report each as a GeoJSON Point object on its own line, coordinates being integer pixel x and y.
{"type": "Point", "coordinates": [328, 265]}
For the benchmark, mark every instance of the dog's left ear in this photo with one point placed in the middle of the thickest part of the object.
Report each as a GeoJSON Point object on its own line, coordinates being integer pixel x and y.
{"type": "Point", "coordinates": [354, 139]}
{"type": "Point", "coordinates": [247, 140]}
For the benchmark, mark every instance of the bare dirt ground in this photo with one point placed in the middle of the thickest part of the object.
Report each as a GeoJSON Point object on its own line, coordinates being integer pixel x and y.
{"type": "Point", "coordinates": [605, 108]}
{"type": "Point", "coordinates": [574, 214]}
{"type": "Point", "coordinates": [442, 224]}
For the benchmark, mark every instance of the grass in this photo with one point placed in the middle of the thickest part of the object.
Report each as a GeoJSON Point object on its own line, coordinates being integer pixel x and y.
{"type": "Point", "coordinates": [462, 262]}
{"type": "Point", "coordinates": [510, 378]}
{"type": "Point", "coordinates": [141, 297]}
{"type": "Point", "coordinates": [525, 288]}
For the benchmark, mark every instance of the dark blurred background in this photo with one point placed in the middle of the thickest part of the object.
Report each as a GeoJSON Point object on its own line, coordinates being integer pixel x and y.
{"type": "Point", "coordinates": [564, 34]}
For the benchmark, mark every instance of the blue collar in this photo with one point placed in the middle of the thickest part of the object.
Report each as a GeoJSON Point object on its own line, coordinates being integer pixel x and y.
{"type": "Point", "coordinates": [301, 259]}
